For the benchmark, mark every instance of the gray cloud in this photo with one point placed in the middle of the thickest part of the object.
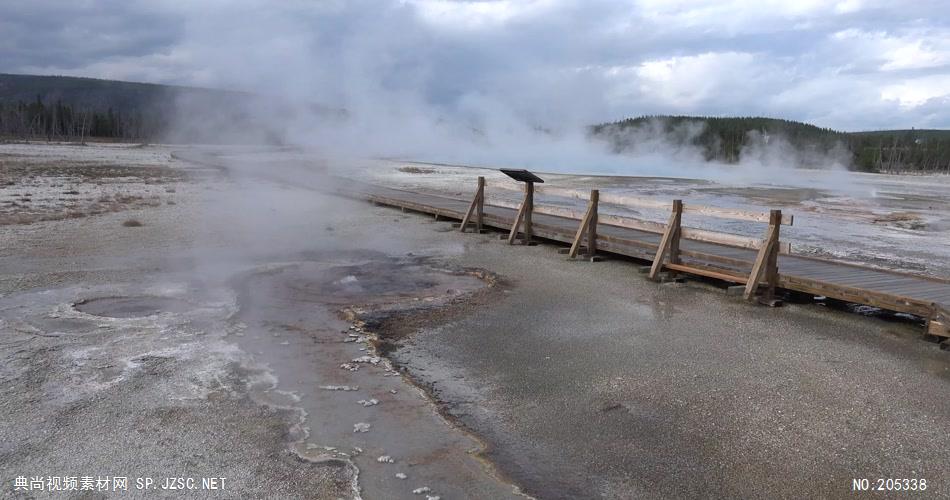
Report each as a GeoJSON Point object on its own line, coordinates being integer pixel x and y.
{"type": "Point", "coordinates": [73, 35]}
{"type": "Point", "coordinates": [554, 64]}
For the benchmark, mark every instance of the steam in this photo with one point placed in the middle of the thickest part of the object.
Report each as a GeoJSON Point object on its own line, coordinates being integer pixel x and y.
{"type": "Point", "coordinates": [775, 151]}
{"type": "Point", "coordinates": [362, 79]}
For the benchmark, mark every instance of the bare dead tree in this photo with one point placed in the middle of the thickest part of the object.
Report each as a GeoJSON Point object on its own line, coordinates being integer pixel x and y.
{"type": "Point", "coordinates": [82, 131]}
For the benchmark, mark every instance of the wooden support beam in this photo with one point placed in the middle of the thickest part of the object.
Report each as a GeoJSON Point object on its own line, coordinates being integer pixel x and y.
{"type": "Point", "coordinates": [476, 207]}
{"type": "Point", "coordinates": [579, 235]}
{"type": "Point", "coordinates": [766, 262]}
{"type": "Point", "coordinates": [938, 329]}
{"type": "Point", "coordinates": [514, 227]}
{"type": "Point", "coordinates": [758, 269]}
{"type": "Point", "coordinates": [708, 271]}
{"type": "Point", "coordinates": [939, 323]}
{"type": "Point", "coordinates": [524, 217]}
{"type": "Point", "coordinates": [671, 234]}
{"type": "Point", "coordinates": [735, 290]}
{"type": "Point", "coordinates": [587, 225]}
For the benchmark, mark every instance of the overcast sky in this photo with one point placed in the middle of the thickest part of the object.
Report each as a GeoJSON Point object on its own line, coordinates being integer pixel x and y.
{"type": "Point", "coordinates": [850, 64]}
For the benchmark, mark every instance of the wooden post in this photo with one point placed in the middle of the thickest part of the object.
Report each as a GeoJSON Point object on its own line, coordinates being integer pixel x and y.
{"type": "Point", "coordinates": [589, 225]}
{"type": "Point", "coordinates": [771, 273]}
{"type": "Point", "coordinates": [670, 241]}
{"type": "Point", "coordinates": [675, 240]}
{"type": "Point", "coordinates": [480, 208]}
{"type": "Point", "coordinates": [477, 206]}
{"type": "Point", "coordinates": [529, 204]}
{"type": "Point", "coordinates": [766, 262]}
{"type": "Point", "coordinates": [592, 224]}
{"type": "Point", "coordinates": [524, 216]}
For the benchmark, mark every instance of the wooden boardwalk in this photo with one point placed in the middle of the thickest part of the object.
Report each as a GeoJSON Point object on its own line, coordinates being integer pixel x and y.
{"type": "Point", "coordinates": [926, 297]}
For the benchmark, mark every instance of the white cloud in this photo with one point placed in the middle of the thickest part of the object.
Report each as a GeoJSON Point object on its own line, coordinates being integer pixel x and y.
{"type": "Point", "coordinates": [689, 83]}
{"type": "Point", "coordinates": [743, 16]}
{"type": "Point", "coordinates": [913, 49]}
{"type": "Point", "coordinates": [451, 14]}
{"type": "Point", "coordinates": [914, 54]}
{"type": "Point", "coordinates": [912, 93]}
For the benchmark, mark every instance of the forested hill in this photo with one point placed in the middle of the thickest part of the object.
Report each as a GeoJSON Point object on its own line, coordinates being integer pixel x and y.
{"type": "Point", "coordinates": [100, 94]}
{"type": "Point", "coordinates": [731, 139]}
{"type": "Point", "coordinates": [65, 108]}
{"type": "Point", "coordinates": [70, 108]}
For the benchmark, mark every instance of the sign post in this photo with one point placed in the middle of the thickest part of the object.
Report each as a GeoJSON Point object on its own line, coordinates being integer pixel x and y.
{"type": "Point", "coordinates": [527, 206]}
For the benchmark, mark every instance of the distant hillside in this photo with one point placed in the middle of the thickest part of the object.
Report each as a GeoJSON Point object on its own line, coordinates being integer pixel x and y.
{"type": "Point", "coordinates": [70, 108]}
{"type": "Point", "coordinates": [100, 95]}
{"type": "Point", "coordinates": [773, 140]}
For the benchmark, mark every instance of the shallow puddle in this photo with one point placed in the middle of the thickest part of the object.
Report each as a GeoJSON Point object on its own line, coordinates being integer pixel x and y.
{"type": "Point", "coordinates": [130, 307]}
{"type": "Point", "coordinates": [375, 282]}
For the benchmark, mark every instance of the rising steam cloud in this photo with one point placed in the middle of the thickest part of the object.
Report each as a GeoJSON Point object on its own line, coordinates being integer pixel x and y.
{"type": "Point", "coordinates": [363, 78]}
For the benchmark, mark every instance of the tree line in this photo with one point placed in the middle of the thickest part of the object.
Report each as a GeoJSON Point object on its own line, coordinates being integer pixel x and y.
{"type": "Point", "coordinates": [58, 121]}
{"type": "Point", "coordinates": [719, 139]}
{"type": "Point", "coordinates": [724, 139]}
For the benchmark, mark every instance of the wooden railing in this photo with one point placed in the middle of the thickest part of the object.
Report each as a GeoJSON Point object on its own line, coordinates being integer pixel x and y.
{"type": "Point", "coordinates": [668, 255]}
